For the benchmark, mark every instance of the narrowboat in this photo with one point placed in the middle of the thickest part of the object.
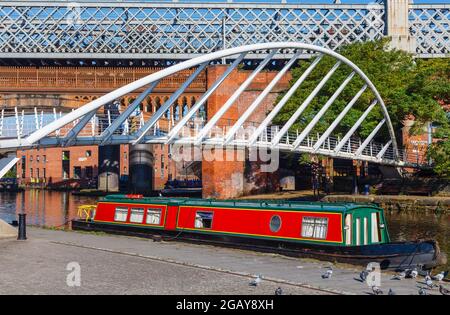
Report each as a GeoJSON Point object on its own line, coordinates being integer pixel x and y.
{"type": "Point", "coordinates": [354, 233]}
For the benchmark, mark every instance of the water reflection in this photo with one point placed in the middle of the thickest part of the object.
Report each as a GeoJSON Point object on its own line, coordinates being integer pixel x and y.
{"type": "Point", "coordinates": [43, 207]}
{"type": "Point", "coordinates": [405, 226]}
{"type": "Point", "coordinates": [56, 209]}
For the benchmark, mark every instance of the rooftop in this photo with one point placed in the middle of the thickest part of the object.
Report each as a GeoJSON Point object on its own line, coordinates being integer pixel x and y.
{"type": "Point", "coordinates": [257, 204]}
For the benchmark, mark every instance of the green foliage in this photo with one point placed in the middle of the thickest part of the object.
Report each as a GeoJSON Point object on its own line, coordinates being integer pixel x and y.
{"type": "Point", "coordinates": [409, 88]}
{"type": "Point", "coordinates": [12, 173]}
{"type": "Point", "coordinates": [397, 77]}
{"type": "Point", "coordinates": [440, 153]}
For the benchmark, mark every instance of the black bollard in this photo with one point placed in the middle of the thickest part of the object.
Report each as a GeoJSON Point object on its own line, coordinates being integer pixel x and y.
{"type": "Point", "coordinates": [22, 227]}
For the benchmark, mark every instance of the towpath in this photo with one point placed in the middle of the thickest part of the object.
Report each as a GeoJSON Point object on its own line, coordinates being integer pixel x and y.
{"type": "Point", "coordinates": [112, 264]}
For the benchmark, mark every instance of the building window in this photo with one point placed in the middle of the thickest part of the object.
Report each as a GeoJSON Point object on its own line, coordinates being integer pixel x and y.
{"type": "Point", "coordinates": [44, 158]}
{"type": "Point", "coordinates": [162, 166]}
{"type": "Point", "coordinates": [275, 223]}
{"type": "Point", "coordinates": [23, 166]}
{"type": "Point", "coordinates": [203, 220]}
{"type": "Point", "coordinates": [37, 173]}
{"type": "Point", "coordinates": [31, 158]}
{"type": "Point", "coordinates": [153, 216]}
{"type": "Point", "coordinates": [89, 172]}
{"type": "Point", "coordinates": [314, 227]}
{"type": "Point", "coordinates": [66, 155]}
{"type": "Point", "coordinates": [176, 111]}
{"type": "Point", "coordinates": [121, 214]}
{"type": "Point", "coordinates": [137, 215]}
{"type": "Point", "coordinates": [76, 172]}
{"type": "Point", "coordinates": [88, 153]}
{"type": "Point", "coordinates": [31, 172]}
{"type": "Point", "coordinates": [125, 170]}
{"type": "Point", "coordinates": [44, 173]}
{"type": "Point", "coordinates": [125, 155]}
{"type": "Point", "coordinates": [37, 158]}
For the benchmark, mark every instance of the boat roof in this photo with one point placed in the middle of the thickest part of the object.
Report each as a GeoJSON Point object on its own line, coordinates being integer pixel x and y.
{"type": "Point", "coordinates": [255, 204]}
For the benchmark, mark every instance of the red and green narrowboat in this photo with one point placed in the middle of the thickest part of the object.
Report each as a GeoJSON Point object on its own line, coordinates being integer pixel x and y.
{"type": "Point", "coordinates": [344, 232]}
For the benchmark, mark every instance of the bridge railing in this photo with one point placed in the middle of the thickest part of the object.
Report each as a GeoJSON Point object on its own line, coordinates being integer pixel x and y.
{"type": "Point", "coordinates": [21, 124]}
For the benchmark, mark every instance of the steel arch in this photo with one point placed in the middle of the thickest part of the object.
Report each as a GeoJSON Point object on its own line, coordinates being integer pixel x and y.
{"type": "Point", "coordinates": [44, 135]}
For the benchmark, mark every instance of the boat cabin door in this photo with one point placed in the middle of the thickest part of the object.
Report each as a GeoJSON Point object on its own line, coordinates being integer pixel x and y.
{"type": "Point", "coordinates": [362, 228]}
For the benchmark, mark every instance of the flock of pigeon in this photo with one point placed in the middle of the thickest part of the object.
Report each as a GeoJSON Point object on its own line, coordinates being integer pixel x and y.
{"type": "Point", "coordinates": [429, 284]}
{"type": "Point", "coordinates": [408, 273]}
{"type": "Point", "coordinates": [413, 274]}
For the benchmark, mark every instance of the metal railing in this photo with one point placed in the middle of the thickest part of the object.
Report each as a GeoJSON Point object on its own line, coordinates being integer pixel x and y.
{"type": "Point", "coordinates": [21, 124]}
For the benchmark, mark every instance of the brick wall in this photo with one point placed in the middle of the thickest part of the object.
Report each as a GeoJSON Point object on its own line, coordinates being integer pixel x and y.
{"type": "Point", "coordinates": [231, 179]}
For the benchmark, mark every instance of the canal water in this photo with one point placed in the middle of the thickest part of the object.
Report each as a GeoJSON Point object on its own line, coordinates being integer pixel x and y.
{"type": "Point", "coordinates": [56, 209]}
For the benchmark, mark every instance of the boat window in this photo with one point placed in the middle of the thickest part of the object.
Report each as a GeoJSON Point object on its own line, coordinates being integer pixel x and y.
{"type": "Point", "coordinates": [275, 223]}
{"type": "Point", "coordinates": [348, 229]}
{"type": "Point", "coordinates": [137, 215]}
{"type": "Point", "coordinates": [314, 227]}
{"type": "Point", "coordinates": [121, 214]}
{"type": "Point", "coordinates": [375, 227]}
{"type": "Point", "coordinates": [203, 220]}
{"type": "Point", "coordinates": [366, 232]}
{"type": "Point", "coordinates": [153, 216]}
{"type": "Point", "coordinates": [358, 231]}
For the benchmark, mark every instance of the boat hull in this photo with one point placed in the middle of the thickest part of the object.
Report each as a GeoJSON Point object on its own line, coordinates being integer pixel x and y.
{"type": "Point", "coordinates": [396, 256]}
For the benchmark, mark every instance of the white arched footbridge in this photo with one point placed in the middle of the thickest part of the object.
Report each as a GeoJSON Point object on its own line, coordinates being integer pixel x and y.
{"type": "Point", "coordinates": [95, 123]}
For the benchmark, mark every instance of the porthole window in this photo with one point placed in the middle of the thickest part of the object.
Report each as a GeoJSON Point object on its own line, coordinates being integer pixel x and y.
{"type": "Point", "coordinates": [275, 223]}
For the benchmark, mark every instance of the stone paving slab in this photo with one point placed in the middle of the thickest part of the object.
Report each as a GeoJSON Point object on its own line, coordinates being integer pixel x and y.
{"type": "Point", "coordinates": [126, 265]}
{"type": "Point", "coordinates": [39, 267]}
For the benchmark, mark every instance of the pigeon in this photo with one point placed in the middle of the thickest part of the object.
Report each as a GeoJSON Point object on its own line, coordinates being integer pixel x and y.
{"type": "Point", "coordinates": [411, 273]}
{"type": "Point", "coordinates": [279, 291]}
{"type": "Point", "coordinates": [377, 290]}
{"type": "Point", "coordinates": [422, 291]}
{"type": "Point", "coordinates": [422, 272]}
{"type": "Point", "coordinates": [328, 273]}
{"type": "Point", "coordinates": [363, 275]}
{"type": "Point", "coordinates": [255, 281]}
{"type": "Point", "coordinates": [443, 290]}
{"type": "Point", "coordinates": [440, 276]}
{"type": "Point", "coordinates": [429, 282]}
{"type": "Point", "coordinates": [391, 292]}
{"type": "Point", "coordinates": [399, 276]}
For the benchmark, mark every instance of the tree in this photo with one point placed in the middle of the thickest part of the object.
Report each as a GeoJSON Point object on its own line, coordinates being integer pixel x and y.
{"type": "Point", "coordinates": [432, 81]}
{"type": "Point", "coordinates": [12, 173]}
{"type": "Point", "coordinates": [409, 88]}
